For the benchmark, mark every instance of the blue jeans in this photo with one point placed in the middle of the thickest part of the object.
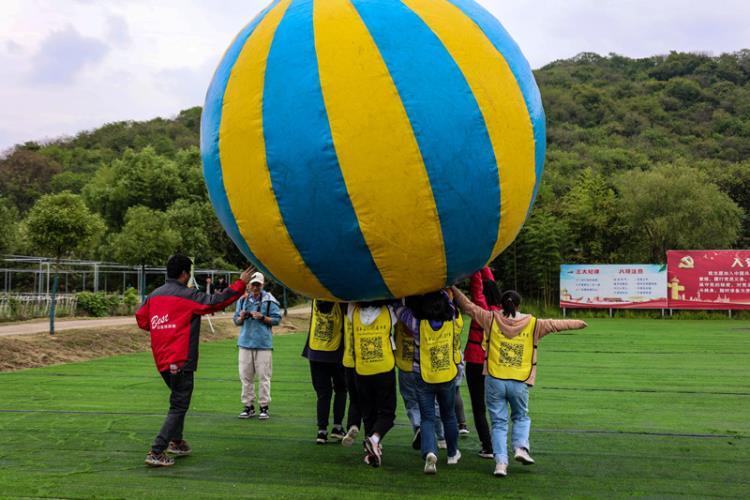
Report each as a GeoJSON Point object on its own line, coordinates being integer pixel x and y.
{"type": "Point", "coordinates": [408, 389]}
{"type": "Point", "coordinates": [500, 394]}
{"type": "Point", "coordinates": [445, 395]}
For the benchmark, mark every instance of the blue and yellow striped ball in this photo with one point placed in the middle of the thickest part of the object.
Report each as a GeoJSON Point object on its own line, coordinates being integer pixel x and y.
{"type": "Point", "coordinates": [363, 149]}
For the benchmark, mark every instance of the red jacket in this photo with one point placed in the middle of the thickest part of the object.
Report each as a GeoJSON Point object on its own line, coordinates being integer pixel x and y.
{"type": "Point", "coordinates": [474, 352]}
{"type": "Point", "coordinates": [172, 315]}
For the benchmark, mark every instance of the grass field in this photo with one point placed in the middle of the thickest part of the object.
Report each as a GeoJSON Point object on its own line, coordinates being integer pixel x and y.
{"type": "Point", "coordinates": [626, 407]}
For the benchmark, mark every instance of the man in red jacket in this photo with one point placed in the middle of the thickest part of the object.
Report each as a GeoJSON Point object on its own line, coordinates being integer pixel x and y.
{"type": "Point", "coordinates": [172, 315]}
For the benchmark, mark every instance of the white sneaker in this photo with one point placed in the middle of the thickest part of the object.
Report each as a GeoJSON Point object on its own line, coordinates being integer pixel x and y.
{"type": "Point", "coordinates": [522, 455]}
{"type": "Point", "coordinates": [455, 458]}
{"type": "Point", "coordinates": [442, 445]}
{"type": "Point", "coordinates": [501, 470]}
{"type": "Point", "coordinates": [429, 464]}
{"type": "Point", "coordinates": [350, 436]}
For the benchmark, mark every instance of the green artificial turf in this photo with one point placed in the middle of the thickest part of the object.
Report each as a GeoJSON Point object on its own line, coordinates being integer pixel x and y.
{"type": "Point", "coordinates": [626, 407]}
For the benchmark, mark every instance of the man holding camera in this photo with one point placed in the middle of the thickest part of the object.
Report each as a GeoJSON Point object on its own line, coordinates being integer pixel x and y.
{"type": "Point", "coordinates": [257, 311]}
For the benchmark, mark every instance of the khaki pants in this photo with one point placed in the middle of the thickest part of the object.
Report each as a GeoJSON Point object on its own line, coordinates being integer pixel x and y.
{"type": "Point", "coordinates": [255, 362]}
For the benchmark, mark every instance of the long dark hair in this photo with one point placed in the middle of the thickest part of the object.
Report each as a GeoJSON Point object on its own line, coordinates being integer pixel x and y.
{"type": "Point", "coordinates": [510, 302]}
{"type": "Point", "coordinates": [491, 293]}
{"type": "Point", "coordinates": [435, 306]}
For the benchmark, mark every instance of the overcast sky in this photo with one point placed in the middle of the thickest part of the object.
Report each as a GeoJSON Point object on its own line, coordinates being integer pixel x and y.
{"type": "Point", "coordinates": [70, 65]}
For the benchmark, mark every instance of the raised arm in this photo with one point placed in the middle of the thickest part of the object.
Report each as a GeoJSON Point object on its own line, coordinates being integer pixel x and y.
{"type": "Point", "coordinates": [547, 326]}
{"type": "Point", "coordinates": [207, 304]}
{"type": "Point", "coordinates": [476, 290]}
{"type": "Point", "coordinates": [484, 318]}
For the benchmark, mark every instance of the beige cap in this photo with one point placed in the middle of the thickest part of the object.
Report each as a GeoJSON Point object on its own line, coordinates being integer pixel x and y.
{"type": "Point", "coordinates": [257, 278]}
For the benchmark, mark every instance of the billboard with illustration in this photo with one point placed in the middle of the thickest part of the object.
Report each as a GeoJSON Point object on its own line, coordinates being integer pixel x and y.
{"type": "Point", "coordinates": [616, 286]}
{"type": "Point", "coordinates": [708, 279]}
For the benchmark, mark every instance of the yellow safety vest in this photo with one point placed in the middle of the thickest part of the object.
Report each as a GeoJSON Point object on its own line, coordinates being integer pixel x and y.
{"type": "Point", "coordinates": [348, 343]}
{"type": "Point", "coordinates": [325, 329]}
{"type": "Point", "coordinates": [404, 348]}
{"type": "Point", "coordinates": [511, 359]}
{"type": "Point", "coordinates": [373, 352]}
{"type": "Point", "coordinates": [437, 352]}
{"type": "Point", "coordinates": [459, 328]}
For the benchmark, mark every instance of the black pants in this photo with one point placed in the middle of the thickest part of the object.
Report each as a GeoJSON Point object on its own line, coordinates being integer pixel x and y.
{"type": "Point", "coordinates": [355, 413]}
{"type": "Point", "coordinates": [377, 400]}
{"type": "Point", "coordinates": [181, 385]}
{"type": "Point", "coordinates": [327, 379]}
{"type": "Point", "coordinates": [475, 381]}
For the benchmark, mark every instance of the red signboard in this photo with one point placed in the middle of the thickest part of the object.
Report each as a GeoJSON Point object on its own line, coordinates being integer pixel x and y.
{"type": "Point", "coordinates": [708, 279]}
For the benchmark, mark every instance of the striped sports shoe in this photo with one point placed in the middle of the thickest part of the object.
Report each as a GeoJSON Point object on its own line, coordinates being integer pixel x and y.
{"type": "Point", "coordinates": [179, 448]}
{"type": "Point", "coordinates": [158, 459]}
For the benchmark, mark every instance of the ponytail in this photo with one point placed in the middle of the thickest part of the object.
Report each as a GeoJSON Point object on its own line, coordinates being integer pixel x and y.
{"type": "Point", "coordinates": [510, 301]}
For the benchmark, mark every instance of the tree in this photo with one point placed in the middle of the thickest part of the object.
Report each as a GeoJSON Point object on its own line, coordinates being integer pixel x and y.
{"type": "Point", "coordinates": [60, 225]}
{"type": "Point", "coordinates": [139, 178]}
{"type": "Point", "coordinates": [675, 207]}
{"type": "Point", "coordinates": [25, 176]}
{"type": "Point", "coordinates": [590, 211]}
{"type": "Point", "coordinates": [145, 239]}
{"type": "Point", "coordinates": [9, 223]}
{"type": "Point", "coordinates": [191, 221]}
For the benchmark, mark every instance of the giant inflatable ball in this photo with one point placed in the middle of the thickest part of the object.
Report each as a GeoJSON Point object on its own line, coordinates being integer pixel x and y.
{"type": "Point", "coordinates": [366, 149]}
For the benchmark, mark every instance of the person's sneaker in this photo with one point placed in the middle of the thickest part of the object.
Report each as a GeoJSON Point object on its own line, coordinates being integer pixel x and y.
{"type": "Point", "coordinates": [263, 415]}
{"type": "Point", "coordinates": [442, 445]}
{"type": "Point", "coordinates": [350, 436]}
{"type": "Point", "coordinates": [463, 430]}
{"type": "Point", "coordinates": [159, 459]}
{"type": "Point", "coordinates": [485, 453]}
{"type": "Point", "coordinates": [322, 437]}
{"type": "Point", "coordinates": [416, 441]}
{"type": "Point", "coordinates": [337, 433]}
{"type": "Point", "coordinates": [430, 462]}
{"type": "Point", "coordinates": [179, 448]}
{"type": "Point", "coordinates": [501, 470]}
{"type": "Point", "coordinates": [373, 450]}
{"type": "Point", "coordinates": [522, 455]}
{"type": "Point", "coordinates": [248, 412]}
{"type": "Point", "coordinates": [455, 458]}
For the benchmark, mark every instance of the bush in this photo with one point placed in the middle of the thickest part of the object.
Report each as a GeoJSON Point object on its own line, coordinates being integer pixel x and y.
{"type": "Point", "coordinates": [98, 304]}
{"type": "Point", "coordinates": [130, 298]}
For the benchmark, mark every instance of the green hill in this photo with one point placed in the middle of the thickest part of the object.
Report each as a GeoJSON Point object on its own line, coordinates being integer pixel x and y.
{"type": "Point", "coordinates": [644, 155]}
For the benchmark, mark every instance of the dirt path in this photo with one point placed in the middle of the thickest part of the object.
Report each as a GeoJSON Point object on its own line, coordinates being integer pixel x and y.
{"type": "Point", "coordinates": [42, 325]}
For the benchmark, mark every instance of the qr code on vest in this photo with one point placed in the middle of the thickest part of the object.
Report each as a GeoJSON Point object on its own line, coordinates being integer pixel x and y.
{"type": "Point", "coordinates": [324, 331]}
{"type": "Point", "coordinates": [372, 348]}
{"type": "Point", "coordinates": [511, 355]}
{"type": "Point", "coordinates": [440, 357]}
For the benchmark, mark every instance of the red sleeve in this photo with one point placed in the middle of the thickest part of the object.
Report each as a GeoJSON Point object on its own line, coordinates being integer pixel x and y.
{"type": "Point", "coordinates": [142, 317]}
{"type": "Point", "coordinates": [207, 304]}
{"type": "Point", "coordinates": [487, 273]}
{"type": "Point", "coordinates": [476, 288]}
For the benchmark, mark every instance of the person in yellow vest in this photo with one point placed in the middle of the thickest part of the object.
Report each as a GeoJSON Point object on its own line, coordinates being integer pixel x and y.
{"type": "Point", "coordinates": [324, 350]}
{"type": "Point", "coordinates": [511, 340]}
{"type": "Point", "coordinates": [354, 416]}
{"type": "Point", "coordinates": [436, 329]}
{"type": "Point", "coordinates": [372, 331]}
{"type": "Point", "coordinates": [407, 380]}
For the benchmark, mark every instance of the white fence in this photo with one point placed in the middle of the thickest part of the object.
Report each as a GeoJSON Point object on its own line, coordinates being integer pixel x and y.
{"type": "Point", "coordinates": [29, 305]}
